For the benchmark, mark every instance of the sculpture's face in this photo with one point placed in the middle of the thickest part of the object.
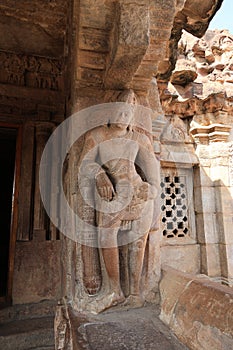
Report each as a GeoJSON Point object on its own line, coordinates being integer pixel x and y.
{"type": "Point", "coordinates": [123, 119]}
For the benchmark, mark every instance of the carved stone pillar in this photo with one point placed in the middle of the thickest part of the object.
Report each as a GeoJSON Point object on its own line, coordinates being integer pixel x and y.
{"type": "Point", "coordinates": [213, 197]}
{"type": "Point", "coordinates": [40, 220]}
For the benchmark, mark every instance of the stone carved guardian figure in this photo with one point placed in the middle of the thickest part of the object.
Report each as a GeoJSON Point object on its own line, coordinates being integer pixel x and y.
{"type": "Point", "coordinates": [118, 177]}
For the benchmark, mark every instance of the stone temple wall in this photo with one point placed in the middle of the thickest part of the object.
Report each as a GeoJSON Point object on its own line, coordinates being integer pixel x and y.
{"type": "Point", "coordinates": [94, 52]}
{"type": "Point", "coordinates": [198, 106]}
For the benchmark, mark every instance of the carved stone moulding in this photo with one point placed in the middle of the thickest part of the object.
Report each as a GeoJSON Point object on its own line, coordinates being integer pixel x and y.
{"type": "Point", "coordinates": [174, 156]}
{"type": "Point", "coordinates": [31, 71]}
{"type": "Point", "coordinates": [210, 133]}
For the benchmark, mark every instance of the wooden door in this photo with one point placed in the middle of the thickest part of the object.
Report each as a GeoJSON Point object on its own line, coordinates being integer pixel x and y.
{"type": "Point", "coordinates": [9, 175]}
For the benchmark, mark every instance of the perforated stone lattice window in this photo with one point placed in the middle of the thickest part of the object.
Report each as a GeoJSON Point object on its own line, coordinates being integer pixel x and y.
{"type": "Point", "coordinates": [174, 206]}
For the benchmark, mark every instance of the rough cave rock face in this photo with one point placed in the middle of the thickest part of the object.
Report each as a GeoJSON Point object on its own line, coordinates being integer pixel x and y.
{"type": "Point", "coordinates": [192, 16]}
{"type": "Point", "coordinates": [203, 76]}
{"type": "Point", "coordinates": [33, 27]}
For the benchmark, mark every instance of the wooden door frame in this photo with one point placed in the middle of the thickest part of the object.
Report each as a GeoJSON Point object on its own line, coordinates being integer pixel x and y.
{"type": "Point", "coordinates": [14, 212]}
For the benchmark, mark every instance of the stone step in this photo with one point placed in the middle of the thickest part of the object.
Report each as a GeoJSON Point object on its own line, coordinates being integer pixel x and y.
{"type": "Point", "coordinates": [42, 348]}
{"type": "Point", "coordinates": [25, 311]}
{"type": "Point", "coordinates": [28, 334]}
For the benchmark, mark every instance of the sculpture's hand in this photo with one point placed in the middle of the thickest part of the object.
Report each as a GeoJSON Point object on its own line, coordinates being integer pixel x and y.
{"type": "Point", "coordinates": [104, 186]}
{"type": "Point", "coordinates": [142, 192]}
{"type": "Point", "coordinates": [146, 192]}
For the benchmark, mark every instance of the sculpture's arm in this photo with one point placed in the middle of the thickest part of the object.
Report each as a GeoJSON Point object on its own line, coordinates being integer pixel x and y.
{"type": "Point", "coordinates": [88, 165]}
{"type": "Point", "coordinates": [150, 166]}
{"type": "Point", "coordinates": [91, 172]}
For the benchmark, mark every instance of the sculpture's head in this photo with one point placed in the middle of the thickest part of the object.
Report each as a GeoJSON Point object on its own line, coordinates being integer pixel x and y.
{"type": "Point", "coordinates": [122, 117]}
{"type": "Point", "coordinates": [123, 120]}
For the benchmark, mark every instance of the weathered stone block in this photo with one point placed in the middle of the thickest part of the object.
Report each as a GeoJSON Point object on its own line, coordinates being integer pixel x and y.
{"type": "Point", "coordinates": [95, 14]}
{"type": "Point", "coordinates": [92, 60]}
{"type": "Point", "coordinates": [185, 258]}
{"type": "Point", "coordinates": [161, 18]}
{"type": "Point", "coordinates": [93, 40]}
{"type": "Point", "coordinates": [37, 272]}
{"type": "Point", "coordinates": [210, 259]}
{"type": "Point", "coordinates": [220, 162]}
{"type": "Point", "coordinates": [206, 228]}
{"type": "Point", "coordinates": [204, 200]}
{"type": "Point", "coordinates": [202, 177]}
{"type": "Point", "coordinates": [219, 150]}
{"type": "Point", "coordinates": [229, 250]}
{"type": "Point", "coordinates": [224, 200]}
{"type": "Point", "coordinates": [224, 224]}
{"type": "Point", "coordinates": [171, 286]}
{"type": "Point", "coordinates": [203, 153]}
{"type": "Point", "coordinates": [199, 311]}
{"type": "Point", "coordinates": [91, 76]}
{"type": "Point", "coordinates": [129, 44]}
{"type": "Point", "coordinates": [226, 258]}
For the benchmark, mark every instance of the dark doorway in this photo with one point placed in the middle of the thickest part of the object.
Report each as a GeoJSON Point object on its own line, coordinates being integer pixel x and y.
{"type": "Point", "coordinates": [8, 138]}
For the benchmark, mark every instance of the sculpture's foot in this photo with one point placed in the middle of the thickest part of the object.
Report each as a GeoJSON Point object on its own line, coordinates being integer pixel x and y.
{"type": "Point", "coordinates": [96, 304]}
{"type": "Point", "coordinates": [110, 300]}
{"type": "Point", "coordinates": [134, 301]}
{"type": "Point", "coordinates": [113, 299]}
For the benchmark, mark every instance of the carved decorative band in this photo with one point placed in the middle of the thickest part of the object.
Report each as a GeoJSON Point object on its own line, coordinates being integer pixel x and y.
{"type": "Point", "coordinates": [31, 71]}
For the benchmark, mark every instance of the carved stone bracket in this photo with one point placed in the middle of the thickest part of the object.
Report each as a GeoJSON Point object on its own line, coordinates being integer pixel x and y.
{"type": "Point", "coordinates": [129, 45]}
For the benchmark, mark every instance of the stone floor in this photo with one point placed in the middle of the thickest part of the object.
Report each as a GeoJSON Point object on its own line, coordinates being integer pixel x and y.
{"type": "Point", "coordinates": [135, 329]}
{"type": "Point", "coordinates": [30, 327]}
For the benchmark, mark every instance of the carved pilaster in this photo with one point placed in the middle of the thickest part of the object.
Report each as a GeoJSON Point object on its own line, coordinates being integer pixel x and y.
{"type": "Point", "coordinates": [213, 198]}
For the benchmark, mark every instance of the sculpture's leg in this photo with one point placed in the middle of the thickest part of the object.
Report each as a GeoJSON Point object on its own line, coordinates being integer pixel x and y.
{"type": "Point", "coordinates": [124, 268]}
{"type": "Point", "coordinates": [136, 258]}
{"type": "Point", "coordinates": [111, 261]}
{"type": "Point", "coordinates": [91, 270]}
{"type": "Point", "coordinates": [110, 254]}
{"type": "Point", "coordinates": [138, 237]}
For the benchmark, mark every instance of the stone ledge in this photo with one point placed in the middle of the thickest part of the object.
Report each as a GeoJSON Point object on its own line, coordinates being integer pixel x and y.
{"type": "Point", "coordinates": [198, 311]}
